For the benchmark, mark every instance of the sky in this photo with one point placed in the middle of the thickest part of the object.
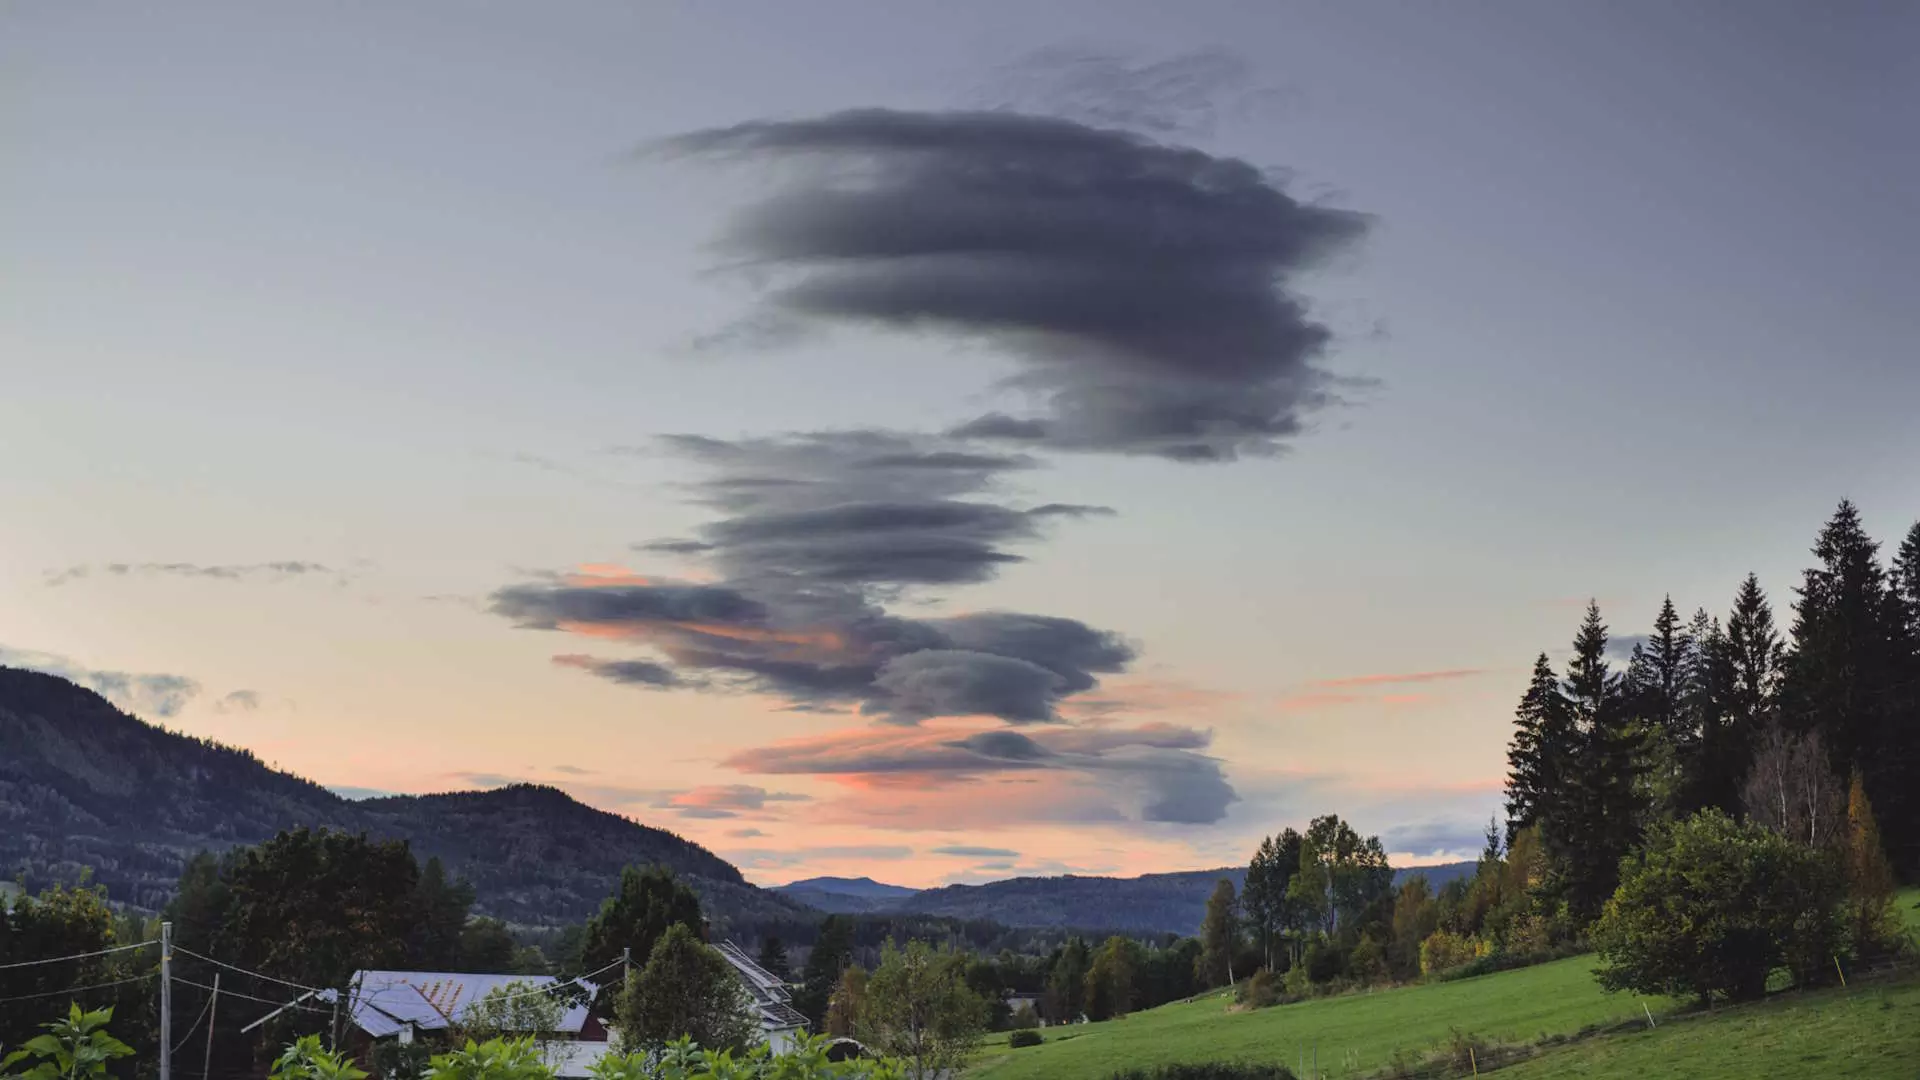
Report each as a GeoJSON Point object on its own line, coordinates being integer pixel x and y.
{"type": "Point", "coordinates": [936, 442]}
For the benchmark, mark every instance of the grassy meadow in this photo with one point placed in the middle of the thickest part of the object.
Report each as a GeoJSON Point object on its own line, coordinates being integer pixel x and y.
{"type": "Point", "coordinates": [1870, 1030]}
{"type": "Point", "coordinates": [1356, 1035]}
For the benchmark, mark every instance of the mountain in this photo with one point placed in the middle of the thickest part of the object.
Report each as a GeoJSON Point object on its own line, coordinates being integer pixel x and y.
{"type": "Point", "coordinates": [84, 786]}
{"type": "Point", "coordinates": [1151, 903]}
{"type": "Point", "coordinates": [845, 896]}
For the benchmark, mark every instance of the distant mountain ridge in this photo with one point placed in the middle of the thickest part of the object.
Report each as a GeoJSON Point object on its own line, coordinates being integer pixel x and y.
{"type": "Point", "coordinates": [1151, 903]}
{"type": "Point", "coordinates": [845, 896]}
{"type": "Point", "coordinates": [84, 786]}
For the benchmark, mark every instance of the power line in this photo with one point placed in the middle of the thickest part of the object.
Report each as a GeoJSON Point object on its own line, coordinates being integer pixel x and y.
{"type": "Point", "coordinates": [224, 992]}
{"type": "Point", "coordinates": [77, 989]}
{"type": "Point", "coordinates": [76, 956]}
{"type": "Point", "coordinates": [196, 1023]}
{"type": "Point", "coordinates": [245, 971]}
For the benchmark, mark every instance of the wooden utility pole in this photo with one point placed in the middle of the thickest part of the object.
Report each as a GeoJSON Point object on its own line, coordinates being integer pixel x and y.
{"type": "Point", "coordinates": [166, 1001]}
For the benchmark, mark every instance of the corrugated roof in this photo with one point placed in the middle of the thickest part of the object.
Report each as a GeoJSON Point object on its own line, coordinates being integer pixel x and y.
{"type": "Point", "coordinates": [384, 1001]}
{"type": "Point", "coordinates": [771, 998]}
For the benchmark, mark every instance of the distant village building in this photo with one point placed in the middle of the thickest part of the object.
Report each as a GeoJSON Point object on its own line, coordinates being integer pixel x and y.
{"type": "Point", "coordinates": [405, 1005]}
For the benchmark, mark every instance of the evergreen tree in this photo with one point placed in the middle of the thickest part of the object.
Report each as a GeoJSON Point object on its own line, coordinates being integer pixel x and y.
{"type": "Point", "coordinates": [1655, 691]}
{"type": "Point", "coordinates": [647, 903]}
{"type": "Point", "coordinates": [773, 958]}
{"type": "Point", "coordinates": [443, 915]}
{"type": "Point", "coordinates": [1900, 732]}
{"type": "Point", "coordinates": [832, 951]}
{"type": "Point", "coordinates": [1716, 772]}
{"type": "Point", "coordinates": [1067, 982]}
{"type": "Point", "coordinates": [1600, 816]}
{"type": "Point", "coordinates": [1543, 747]}
{"type": "Point", "coordinates": [1840, 680]}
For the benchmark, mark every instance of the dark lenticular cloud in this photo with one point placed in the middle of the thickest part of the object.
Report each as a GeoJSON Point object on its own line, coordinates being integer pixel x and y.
{"type": "Point", "coordinates": [816, 534]}
{"type": "Point", "coordinates": [1143, 287]}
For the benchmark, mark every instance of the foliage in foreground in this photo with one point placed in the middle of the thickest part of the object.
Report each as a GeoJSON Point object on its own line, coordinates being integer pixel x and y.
{"type": "Point", "coordinates": [76, 1047]}
{"type": "Point", "coordinates": [1710, 907]}
{"type": "Point", "coordinates": [682, 1060]}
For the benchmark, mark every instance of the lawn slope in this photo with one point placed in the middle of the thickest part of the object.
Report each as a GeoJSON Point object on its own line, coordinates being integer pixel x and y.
{"type": "Point", "coordinates": [1865, 1032]}
{"type": "Point", "coordinates": [1356, 1035]}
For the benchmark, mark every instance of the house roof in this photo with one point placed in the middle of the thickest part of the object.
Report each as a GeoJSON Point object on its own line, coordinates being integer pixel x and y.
{"type": "Point", "coordinates": [383, 1002]}
{"type": "Point", "coordinates": [771, 998]}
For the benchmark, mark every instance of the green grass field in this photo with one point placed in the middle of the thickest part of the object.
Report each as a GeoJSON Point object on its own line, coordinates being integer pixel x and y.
{"type": "Point", "coordinates": [1356, 1035]}
{"type": "Point", "coordinates": [1872, 1030]}
{"type": "Point", "coordinates": [1868, 1032]}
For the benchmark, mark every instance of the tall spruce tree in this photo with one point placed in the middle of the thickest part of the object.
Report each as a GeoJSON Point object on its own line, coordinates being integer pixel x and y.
{"type": "Point", "coordinates": [1543, 747]}
{"type": "Point", "coordinates": [1750, 661]}
{"type": "Point", "coordinates": [1900, 722]}
{"type": "Point", "coordinates": [1714, 775]}
{"type": "Point", "coordinates": [1842, 677]}
{"type": "Point", "coordinates": [1655, 689]}
{"type": "Point", "coordinates": [1601, 815]}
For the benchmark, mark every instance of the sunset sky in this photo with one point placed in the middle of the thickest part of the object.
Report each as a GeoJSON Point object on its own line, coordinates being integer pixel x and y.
{"type": "Point", "coordinates": [932, 441]}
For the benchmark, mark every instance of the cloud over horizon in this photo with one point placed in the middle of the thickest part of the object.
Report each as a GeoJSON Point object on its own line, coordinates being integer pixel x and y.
{"type": "Point", "coordinates": [151, 694]}
{"type": "Point", "coordinates": [283, 570]}
{"type": "Point", "coordinates": [1142, 288]}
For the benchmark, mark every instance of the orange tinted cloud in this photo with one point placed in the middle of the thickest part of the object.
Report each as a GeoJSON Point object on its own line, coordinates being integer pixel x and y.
{"type": "Point", "coordinates": [603, 576]}
{"type": "Point", "coordinates": [1123, 696]}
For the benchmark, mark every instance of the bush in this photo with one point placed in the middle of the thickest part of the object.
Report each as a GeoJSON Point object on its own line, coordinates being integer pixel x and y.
{"type": "Point", "coordinates": [1024, 1017]}
{"type": "Point", "coordinates": [1323, 961]}
{"type": "Point", "coordinates": [1020, 1037]}
{"type": "Point", "coordinates": [1710, 907]}
{"type": "Point", "coordinates": [1368, 962]}
{"type": "Point", "coordinates": [1444, 950]}
{"type": "Point", "coordinates": [1259, 990]}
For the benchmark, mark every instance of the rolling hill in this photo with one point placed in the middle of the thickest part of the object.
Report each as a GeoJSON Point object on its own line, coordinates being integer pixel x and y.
{"type": "Point", "coordinates": [84, 786]}
{"type": "Point", "coordinates": [1150, 903]}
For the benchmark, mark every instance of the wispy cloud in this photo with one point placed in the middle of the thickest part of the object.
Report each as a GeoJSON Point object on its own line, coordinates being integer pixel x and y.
{"type": "Point", "coordinates": [724, 800]}
{"type": "Point", "coordinates": [139, 693]}
{"type": "Point", "coordinates": [238, 701]}
{"type": "Point", "coordinates": [1400, 678]}
{"type": "Point", "coordinates": [284, 570]}
{"type": "Point", "coordinates": [970, 852]}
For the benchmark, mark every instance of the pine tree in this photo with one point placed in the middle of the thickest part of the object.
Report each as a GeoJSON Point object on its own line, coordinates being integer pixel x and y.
{"type": "Point", "coordinates": [1542, 748]}
{"type": "Point", "coordinates": [1715, 773]}
{"type": "Point", "coordinates": [1601, 814]}
{"type": "Point", "coordinates": [1900, 732]}
{"type": "Point", "coordinates": [1841, 678]}
{"type": "Point", "coordinates": [832, 951]}
{"type": "Point", "coordinates": [1656, 684]}
{"type": "Point", "coordinates": [773, 958]}
{"type": "Point", "coordinates": [1746, 664]}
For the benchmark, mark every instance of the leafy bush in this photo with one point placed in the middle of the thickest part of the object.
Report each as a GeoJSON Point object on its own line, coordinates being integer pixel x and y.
{"type": "Point", "coordinates": [1323, 961]}
{"type": "Point", "coordinates": [682, 1060]}
{"type": "Point", "coordinates": [1024, 1017]}
{"type": "Point", "coordinates": [495, 1059]}
{"type": "Point", "coordinates": [1710, 907]}
{"type": "Point", "coordinates": [1444, 950]}
{"type": "Point", "coordinates": [1259, 990]}
{"type": "Point", "coordinates": [1021, 1037]}
{"type": "Point", "coordinates": [308, 1059]}
{"type": "Point", "coordinates": [76, 1047]}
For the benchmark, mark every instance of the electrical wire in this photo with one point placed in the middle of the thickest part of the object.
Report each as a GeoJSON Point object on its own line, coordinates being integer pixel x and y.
{"type": "Point", "coordinates": [196, 1023]}
{"type": "Point", "coordinates": [81, 989]}
{"type": "Point", "coordinates": [245, 971]}
{"type": "Point", "coordinates": [76, 956]}
{"type": "Point", "coordinates": [224, 992]}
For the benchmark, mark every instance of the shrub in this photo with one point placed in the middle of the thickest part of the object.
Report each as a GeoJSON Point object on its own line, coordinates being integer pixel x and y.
{"type": "Point", "coordinates": [1259, 990]}
{"type": "Point", "coordinates": [1368, 962]}
{"type": "Point", "coordinates": [1020, 1037]}
{"type": "Point", "coordinates": [76, 1047]}
{"type": "Point", "coordinates": [1323, 961]}
{"type": "Point", "coordinates": [1710, 907]}
{"type": "Point", "coordinates": [1296, 983]}
{"type": "Point", "coordinates": [1444, 950]}
{"type": "Point", "coordinates": [1024, 1017]}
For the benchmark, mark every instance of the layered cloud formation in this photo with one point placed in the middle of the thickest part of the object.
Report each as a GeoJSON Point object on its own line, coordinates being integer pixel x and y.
{"type": "Point", "coordinates": [1142, 288]}
{"type": "Point", "coordinates": [1143, 291]}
